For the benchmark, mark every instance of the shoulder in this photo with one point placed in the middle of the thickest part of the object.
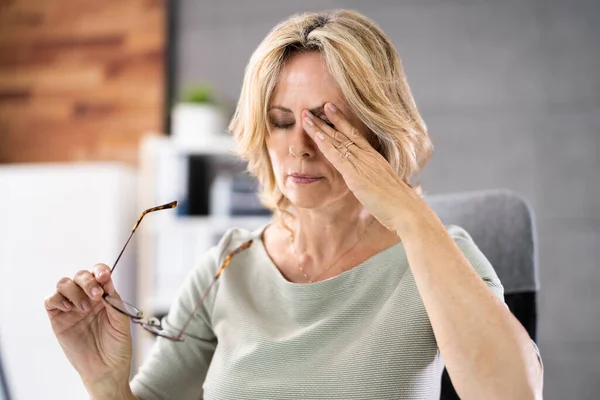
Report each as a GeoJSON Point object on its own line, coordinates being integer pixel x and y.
{"type": "Point", "coordinates": [458, 233]}
{"type": "Point", "coordinates": [465, 242]}
{"type": "Point", "coordinates": [210, 261]}
{"type": "Point", "coordinates": [233, 238]}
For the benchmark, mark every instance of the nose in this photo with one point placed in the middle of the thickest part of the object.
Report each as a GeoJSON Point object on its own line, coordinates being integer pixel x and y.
{"type": "Point", "coordinates": [301, 145]}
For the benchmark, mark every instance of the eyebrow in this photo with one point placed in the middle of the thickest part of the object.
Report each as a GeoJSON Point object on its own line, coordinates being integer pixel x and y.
{"type": "Point", "coordinates": [316, 110]}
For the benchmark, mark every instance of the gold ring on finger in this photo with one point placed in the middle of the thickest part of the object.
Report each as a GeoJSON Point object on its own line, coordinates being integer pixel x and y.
{"type": "Point", "coordinates": [345, 145]}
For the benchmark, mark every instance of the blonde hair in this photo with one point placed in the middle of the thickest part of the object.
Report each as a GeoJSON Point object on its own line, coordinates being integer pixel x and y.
{"type": "Point", "coordinates": [365, 65]}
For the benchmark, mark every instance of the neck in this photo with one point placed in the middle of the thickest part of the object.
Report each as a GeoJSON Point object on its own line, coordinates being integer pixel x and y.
{"type": "Point", "coordinates": [321, 235]}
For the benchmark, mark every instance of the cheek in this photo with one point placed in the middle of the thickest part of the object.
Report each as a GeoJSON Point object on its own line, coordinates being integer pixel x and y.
{"type": "Point", "coordinates": [337, 179]}
{"type": "Point", "coordinates": [277, 166]}
{"type": "Point", "coordinates": [275, 155]}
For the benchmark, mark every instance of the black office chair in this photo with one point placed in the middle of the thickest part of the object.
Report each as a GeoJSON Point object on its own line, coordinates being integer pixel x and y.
{"type": "Point", "coordinates": [502, 225]}
{"type": "Point", "coordinates": [4, 393]}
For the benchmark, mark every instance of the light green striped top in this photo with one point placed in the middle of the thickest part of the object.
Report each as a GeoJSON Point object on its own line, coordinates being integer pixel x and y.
{"type": "Point", "coordinates": [363, 334]}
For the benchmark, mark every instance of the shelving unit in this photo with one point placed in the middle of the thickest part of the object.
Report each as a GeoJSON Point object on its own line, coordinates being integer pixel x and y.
{"type": "Point", "coordinates": [219, 145]}
{"type": "Point", "coordinates": [198, 223]}
{"type": "Point", "coordinates": [169, 243]}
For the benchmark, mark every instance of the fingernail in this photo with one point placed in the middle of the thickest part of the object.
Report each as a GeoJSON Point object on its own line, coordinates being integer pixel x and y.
{"type": "Point", "coordinates": [331, 107]}
{"type": "Point", "coordinates": [95, 292]}
{"type": "Point", "coordinates": [85, 306]}
{"type": "Point", "coordinates": [309, 121]}
{"type": "Point", "coordinates": [320, 136]}
{"type": "Point", "coordinates": [67, 305]}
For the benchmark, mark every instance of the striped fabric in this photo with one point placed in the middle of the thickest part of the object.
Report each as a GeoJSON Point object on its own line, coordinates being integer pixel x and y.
{"type": "Point", "coordinates": [363, 334]}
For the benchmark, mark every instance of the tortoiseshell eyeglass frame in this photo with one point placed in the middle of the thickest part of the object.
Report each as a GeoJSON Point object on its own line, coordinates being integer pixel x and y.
{"type": "Point", "coordinates": [153, 324]}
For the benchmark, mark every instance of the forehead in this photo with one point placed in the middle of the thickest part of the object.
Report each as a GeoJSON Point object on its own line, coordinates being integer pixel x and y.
{"type": "Point", "coordinates": [305, 78]}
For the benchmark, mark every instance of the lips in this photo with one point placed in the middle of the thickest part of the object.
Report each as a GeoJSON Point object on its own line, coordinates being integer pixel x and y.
{"type": "Point", "coordinates": [302, 179]}
{"type": "Point", "coordinates": [304, 176]}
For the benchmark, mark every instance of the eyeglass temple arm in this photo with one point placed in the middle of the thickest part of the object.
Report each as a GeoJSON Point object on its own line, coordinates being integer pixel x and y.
{"type": "Point", "coordinates": [123, 249]}
{"type": "Point", "coordinates": [172, 204]}
{"type": "Point", "coordinates": [200, 302]}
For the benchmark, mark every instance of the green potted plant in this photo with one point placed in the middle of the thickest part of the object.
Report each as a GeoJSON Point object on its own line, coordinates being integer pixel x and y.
{"type": "Point", "coordinates": [198, 117]}
{"type": "Point", "coordinates": [200, 94]}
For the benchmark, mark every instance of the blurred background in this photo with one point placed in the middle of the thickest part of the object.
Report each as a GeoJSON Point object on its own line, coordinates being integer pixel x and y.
{"type": "Point", "coordinates": [110, 107]}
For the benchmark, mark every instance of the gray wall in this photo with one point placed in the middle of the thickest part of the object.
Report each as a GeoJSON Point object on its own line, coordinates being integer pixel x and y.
{"type": "Point", "coordinates": [510, 91]}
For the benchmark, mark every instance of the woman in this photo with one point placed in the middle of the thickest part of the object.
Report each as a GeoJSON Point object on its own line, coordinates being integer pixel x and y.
{"type": "Point", "coordinates": [356, 289]}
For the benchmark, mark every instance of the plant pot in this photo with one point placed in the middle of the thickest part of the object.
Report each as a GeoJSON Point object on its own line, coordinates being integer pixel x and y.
{"type": "Point", "coordinates": [197, 124]}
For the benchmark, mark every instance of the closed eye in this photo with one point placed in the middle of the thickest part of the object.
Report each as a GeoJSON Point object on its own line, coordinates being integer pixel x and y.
{"type": "Point", "coordinates": [277, 125]}
{"type": "Point", "coordinates": [288, 125]}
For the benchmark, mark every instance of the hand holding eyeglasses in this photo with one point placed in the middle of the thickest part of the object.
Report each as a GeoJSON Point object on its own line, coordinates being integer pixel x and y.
{"type": "Point", "coordinates": [87, 316]}
{"type": "Point", "coordinates": [95, 337]}
{"type": "Point", "coordinates": [92, 322]}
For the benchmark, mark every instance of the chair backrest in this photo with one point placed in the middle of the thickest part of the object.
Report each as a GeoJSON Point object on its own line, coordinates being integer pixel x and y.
{"type": "Point", "coordinates": [502, 225]}
{"type": "Point", "coordinates": [4, 394]}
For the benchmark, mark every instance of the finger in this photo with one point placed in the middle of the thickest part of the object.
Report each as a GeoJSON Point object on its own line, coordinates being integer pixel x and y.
{"type": "Point", "coordinates": [109, 289]}
{"type": "Point", "coordinates": [341, 124]}
{"type": "Point", "coordinates": [74, 293]}
{"type": "Point", "coordinates": [102, 273]}
{"type": "Point", "coordinates": [325, 142]}
{"type": "Point", "coordinates": [316, 124]}
{"type": "Point", "coordinates": [104, 277]}
{"type": "Point", "coordinates": [58, 301]}
{"type": "Point", "coordinates": [89, 284]}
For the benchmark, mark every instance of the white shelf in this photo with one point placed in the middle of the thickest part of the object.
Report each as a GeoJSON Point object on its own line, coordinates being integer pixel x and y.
{"type": "Point", "coordinates": [220, 222]}
{"type": "Point", "coordinates": [215, 145]}
{"type": "Point", "coordinates": [201, 223]}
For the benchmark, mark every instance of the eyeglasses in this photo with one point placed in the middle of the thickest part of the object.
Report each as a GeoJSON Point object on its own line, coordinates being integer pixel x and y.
{"type": "Point", "coordinates": [153, 324]}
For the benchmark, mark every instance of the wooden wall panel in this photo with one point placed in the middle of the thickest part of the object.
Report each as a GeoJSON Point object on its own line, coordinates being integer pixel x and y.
{"type": "Point", "coordinates": [79, 79]}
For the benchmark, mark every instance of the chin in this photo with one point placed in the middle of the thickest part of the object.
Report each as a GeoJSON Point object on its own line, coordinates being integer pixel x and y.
{"type": "Point", "coordinates": [307, 202]}
{"type": "Point", "coordinates": [312, 199]}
